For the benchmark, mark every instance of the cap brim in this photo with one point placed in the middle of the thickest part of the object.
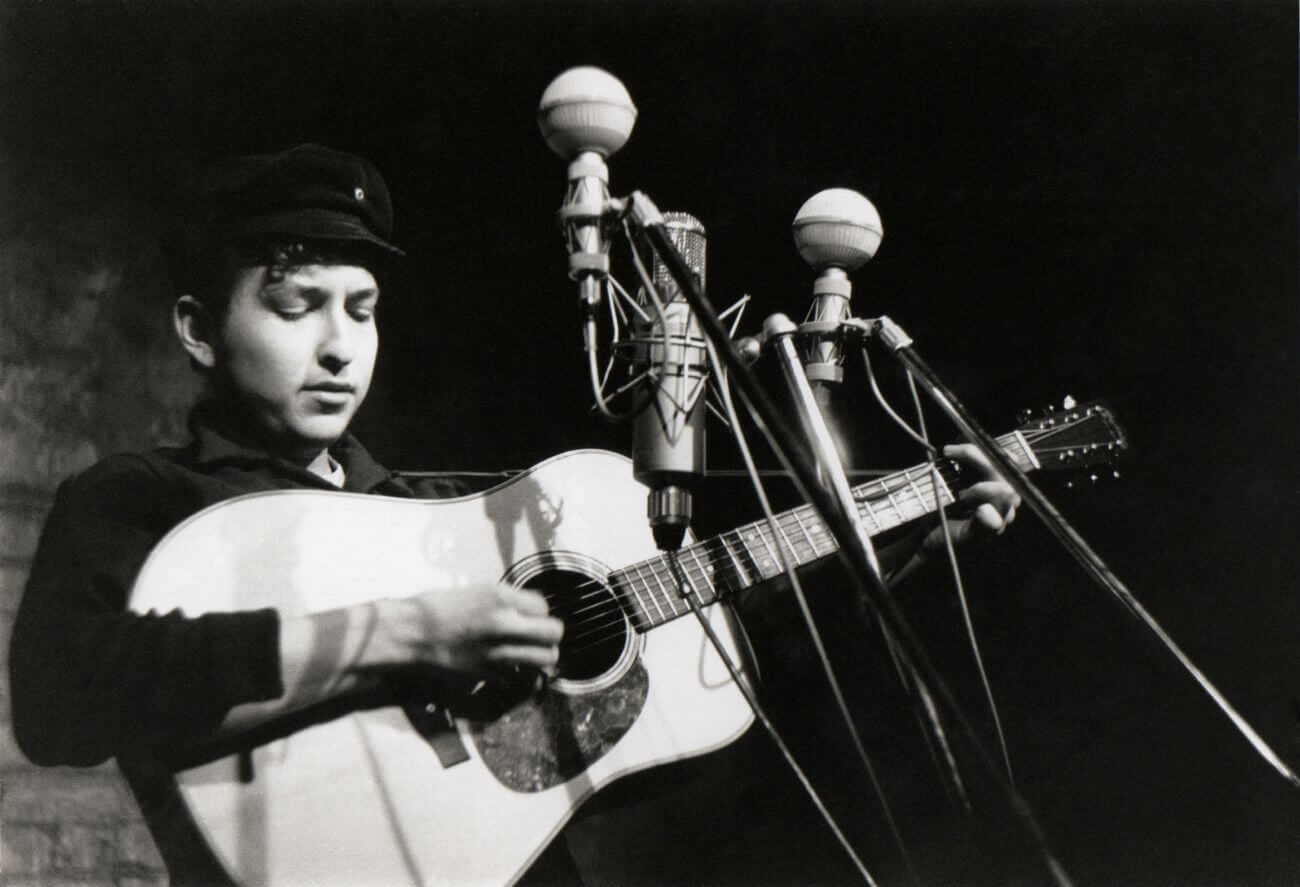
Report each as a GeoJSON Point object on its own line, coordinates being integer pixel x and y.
{"type": "Point", "coordinates": [318, 224]}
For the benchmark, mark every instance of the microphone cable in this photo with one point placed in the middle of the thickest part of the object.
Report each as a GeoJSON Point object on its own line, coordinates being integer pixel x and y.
{"type": "Point", "coordinates": [921, 435]}
{"type": "Point", "coordinates": [686, 591]}
{"type": "Point", "coordinates": [796, 586]}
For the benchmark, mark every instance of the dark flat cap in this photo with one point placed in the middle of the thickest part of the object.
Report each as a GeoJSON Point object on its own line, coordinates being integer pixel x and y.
{"type": "Point", "coordinates": [309, 192]}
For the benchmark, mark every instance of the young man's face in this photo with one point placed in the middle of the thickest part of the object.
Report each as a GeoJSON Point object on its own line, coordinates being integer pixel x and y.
{"type": "Point", "coordinates": [299, 351]}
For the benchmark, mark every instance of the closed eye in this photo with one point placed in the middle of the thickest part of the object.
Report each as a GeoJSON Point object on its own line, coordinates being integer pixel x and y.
{"type": "Point", "coordinates": [362, 306]}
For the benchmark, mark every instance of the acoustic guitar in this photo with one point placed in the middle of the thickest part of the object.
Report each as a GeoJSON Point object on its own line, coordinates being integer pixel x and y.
{"type": "Point", "coordinates": [415, 794]}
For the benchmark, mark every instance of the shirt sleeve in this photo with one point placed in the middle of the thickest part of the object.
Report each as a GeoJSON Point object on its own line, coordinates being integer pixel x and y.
{"type": "Point", "coordinates": [89, 680]}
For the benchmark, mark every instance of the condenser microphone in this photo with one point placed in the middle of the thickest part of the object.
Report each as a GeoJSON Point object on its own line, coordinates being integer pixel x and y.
{"type": "Point", "coordinates": [836, 231]}
{"type": "Point", "coordinates": [585, 116]}
{"type": "Point", "coordinates": [670, 407]}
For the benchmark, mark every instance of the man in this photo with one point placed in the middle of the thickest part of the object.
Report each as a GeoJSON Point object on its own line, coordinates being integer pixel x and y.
{"type": "Point", "coordinates": [281, 263]}
{"type": "Point", "coordinates": [282, 271]}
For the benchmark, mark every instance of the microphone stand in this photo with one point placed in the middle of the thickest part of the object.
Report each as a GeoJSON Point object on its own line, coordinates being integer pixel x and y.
{"type": "Point", "coordinates": [853, 549]}
{"type": "Point", "coordinates": [646, 218]}
{"type": "Point", "coordinates": [900, 344]}
{"type": "Point", "coordinates": [780, 331]}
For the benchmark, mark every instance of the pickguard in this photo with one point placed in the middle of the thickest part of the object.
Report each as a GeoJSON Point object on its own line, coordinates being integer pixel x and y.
{"type": "Point", "coordinates": [553, 736]}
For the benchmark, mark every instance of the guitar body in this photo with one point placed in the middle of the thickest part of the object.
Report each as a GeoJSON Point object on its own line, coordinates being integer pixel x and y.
{"type": "Point", "coordinates": [365, 798]}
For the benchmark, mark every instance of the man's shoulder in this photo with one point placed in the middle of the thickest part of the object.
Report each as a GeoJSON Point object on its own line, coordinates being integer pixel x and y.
{"type": "Point", "coordinates": [127, 468]}
{"type": "Point", "coordinates": [156, 485]}
{"type": "Point", "coordinates": [141, 490]}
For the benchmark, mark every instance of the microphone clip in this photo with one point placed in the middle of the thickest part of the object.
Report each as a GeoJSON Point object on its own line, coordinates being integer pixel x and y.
{"type": "Point", "coordinates": [641, 210]}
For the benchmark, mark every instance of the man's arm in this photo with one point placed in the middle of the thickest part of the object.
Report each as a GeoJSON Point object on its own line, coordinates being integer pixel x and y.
{"type": "Point", "coordinates": [477, 630]}
{"type": "Point", "coordinates": [90, 680]}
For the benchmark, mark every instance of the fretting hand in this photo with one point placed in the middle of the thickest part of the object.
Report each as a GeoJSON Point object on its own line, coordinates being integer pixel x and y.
{"type": "Point", "coordinates": [990, 500]}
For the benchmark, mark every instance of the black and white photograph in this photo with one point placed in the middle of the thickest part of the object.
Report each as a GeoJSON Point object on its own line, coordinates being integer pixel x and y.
{"type": "Point", "coordinates": [649, 442]}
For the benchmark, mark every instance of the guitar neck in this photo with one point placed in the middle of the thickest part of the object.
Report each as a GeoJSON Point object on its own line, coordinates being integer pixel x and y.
{"type": "Point", "coordinates": [750, 554]}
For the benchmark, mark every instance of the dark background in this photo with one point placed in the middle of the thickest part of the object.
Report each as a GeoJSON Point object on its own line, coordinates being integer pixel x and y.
{"type": "Point", "coordinates": [1088, 198]}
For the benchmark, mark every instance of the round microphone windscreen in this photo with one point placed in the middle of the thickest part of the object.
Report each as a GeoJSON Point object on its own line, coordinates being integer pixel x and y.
{"type": "Point", "coordinates": [837, 227]}
{"type": "Point", "coordinates": [586, 109]}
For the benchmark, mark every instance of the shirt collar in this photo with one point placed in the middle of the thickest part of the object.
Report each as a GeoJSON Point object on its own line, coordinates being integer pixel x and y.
{"type": "Point", "coordinates": [220, 438]}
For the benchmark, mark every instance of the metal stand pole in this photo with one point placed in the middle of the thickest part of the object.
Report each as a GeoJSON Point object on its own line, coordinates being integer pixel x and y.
{"type": "Point", "coordinates": [900, 344]}
{"type": "Point", "coordinates": [646, 217]}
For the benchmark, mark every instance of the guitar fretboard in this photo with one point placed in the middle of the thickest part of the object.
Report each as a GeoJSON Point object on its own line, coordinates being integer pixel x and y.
{"type": "Point", "coordinates": [748, 555]}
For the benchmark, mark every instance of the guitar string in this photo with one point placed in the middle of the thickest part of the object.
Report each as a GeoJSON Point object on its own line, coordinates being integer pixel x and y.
{"type": "Point", "coordinates": [594, 632]}
{"type": "Point", "coordinates": [801, 521]}
{"type": "Point", "coordinates": [794, 520]}
{"type": "Point", "coordinates": [608, 605]}
{"type": "Point", "coordinates": [901, 495]}
{"type": "Point", "coordinates": [899, 483]}
{"type": "Point", "coordinates": [609, 614]}
{"type": "Point", "coordinates": [897, 488]}
{"type": "Point", "coordinates": [790, 522]}
{"type": "Point", "coordinates": [710, 550]}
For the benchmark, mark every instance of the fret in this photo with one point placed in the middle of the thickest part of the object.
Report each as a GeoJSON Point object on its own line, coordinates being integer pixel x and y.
{"type": "Point", "coordinates": [924, 482]}
{"type": "Point", "coordinates": [722, 581]}
{"type": "Point", "coordinates": [654, 599]}
{"type": "Point", "coordinates": [925, 504]}
{"type": "Point", "coordinates": [898, 513]}
{"type": "Point", "coordinates": [773, 558]}
{"type": "Point", "coordinates": [651, 592]}
{"type": "Point", "coordinates": [811, 544]}
{"type": "Point", "coordinates": [818, 529]}
{"type": "Point", "coordinates": [705, 581]}
{"type": "Point", "coordinates": [872, 515]}
{"type": "Point", "coordinates": [920, 494]}
{"type": "Point", "coordinates": [789, 546]}
{"type": "Point", "coordinates": [946, 494]}
{"type": "Point", "coordinates": [630, 585]}
{"type": "Point", "coordinates": [752, 532]}
{"type": "Point", "coordinates": [672, 593]}
{"type": "Point", "coordinates": [1025, 459]}
{"type": "Point", "coordinates": [871, 489]}
{"type": "Point", "coordinates": [740, 569]}
{"type": "Point", "coordinates": [913, 499]}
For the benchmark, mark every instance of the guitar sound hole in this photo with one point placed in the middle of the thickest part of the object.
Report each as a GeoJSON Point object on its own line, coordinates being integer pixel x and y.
{"type": "Point", "coordinates": [595, 630]}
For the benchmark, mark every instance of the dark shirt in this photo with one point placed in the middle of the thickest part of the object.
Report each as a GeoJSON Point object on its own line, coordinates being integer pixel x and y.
{"type": "Point", "coordinates": [92, 681]}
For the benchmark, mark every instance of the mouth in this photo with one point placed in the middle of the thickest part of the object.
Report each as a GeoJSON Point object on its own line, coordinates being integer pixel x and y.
{"type": "Point", "coordinates": [331, 396]}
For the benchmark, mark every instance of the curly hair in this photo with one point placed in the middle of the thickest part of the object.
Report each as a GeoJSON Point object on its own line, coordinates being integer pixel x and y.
{"type": "Point", "coordinates": [210, 276]}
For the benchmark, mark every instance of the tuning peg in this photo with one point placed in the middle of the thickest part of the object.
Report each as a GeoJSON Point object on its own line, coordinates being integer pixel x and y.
{"type": "Point", "coordinates": [1069, 403]}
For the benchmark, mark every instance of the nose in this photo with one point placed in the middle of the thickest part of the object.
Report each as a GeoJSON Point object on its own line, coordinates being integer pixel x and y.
{"type": "Point", "coordinates": [338, 343]}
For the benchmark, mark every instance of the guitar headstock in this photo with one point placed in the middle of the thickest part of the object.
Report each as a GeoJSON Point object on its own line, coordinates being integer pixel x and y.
{"type": "Point", "coordinates": [1075, 437]}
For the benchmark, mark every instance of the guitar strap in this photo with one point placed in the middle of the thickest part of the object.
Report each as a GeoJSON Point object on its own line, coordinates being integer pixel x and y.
{"type": "Point", "coordinates": [437, 727]}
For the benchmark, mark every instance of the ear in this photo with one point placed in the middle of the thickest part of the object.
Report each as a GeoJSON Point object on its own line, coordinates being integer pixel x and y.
{"type": "Point", "coordinates": [196, 328]}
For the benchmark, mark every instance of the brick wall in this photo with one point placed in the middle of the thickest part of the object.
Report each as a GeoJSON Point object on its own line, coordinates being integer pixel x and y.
{"type": "Point", "coordinates": [88, 366]}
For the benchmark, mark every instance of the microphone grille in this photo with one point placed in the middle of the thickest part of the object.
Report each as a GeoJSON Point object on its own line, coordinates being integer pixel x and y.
{"type": "Point", "coordinates": [687, 234]}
